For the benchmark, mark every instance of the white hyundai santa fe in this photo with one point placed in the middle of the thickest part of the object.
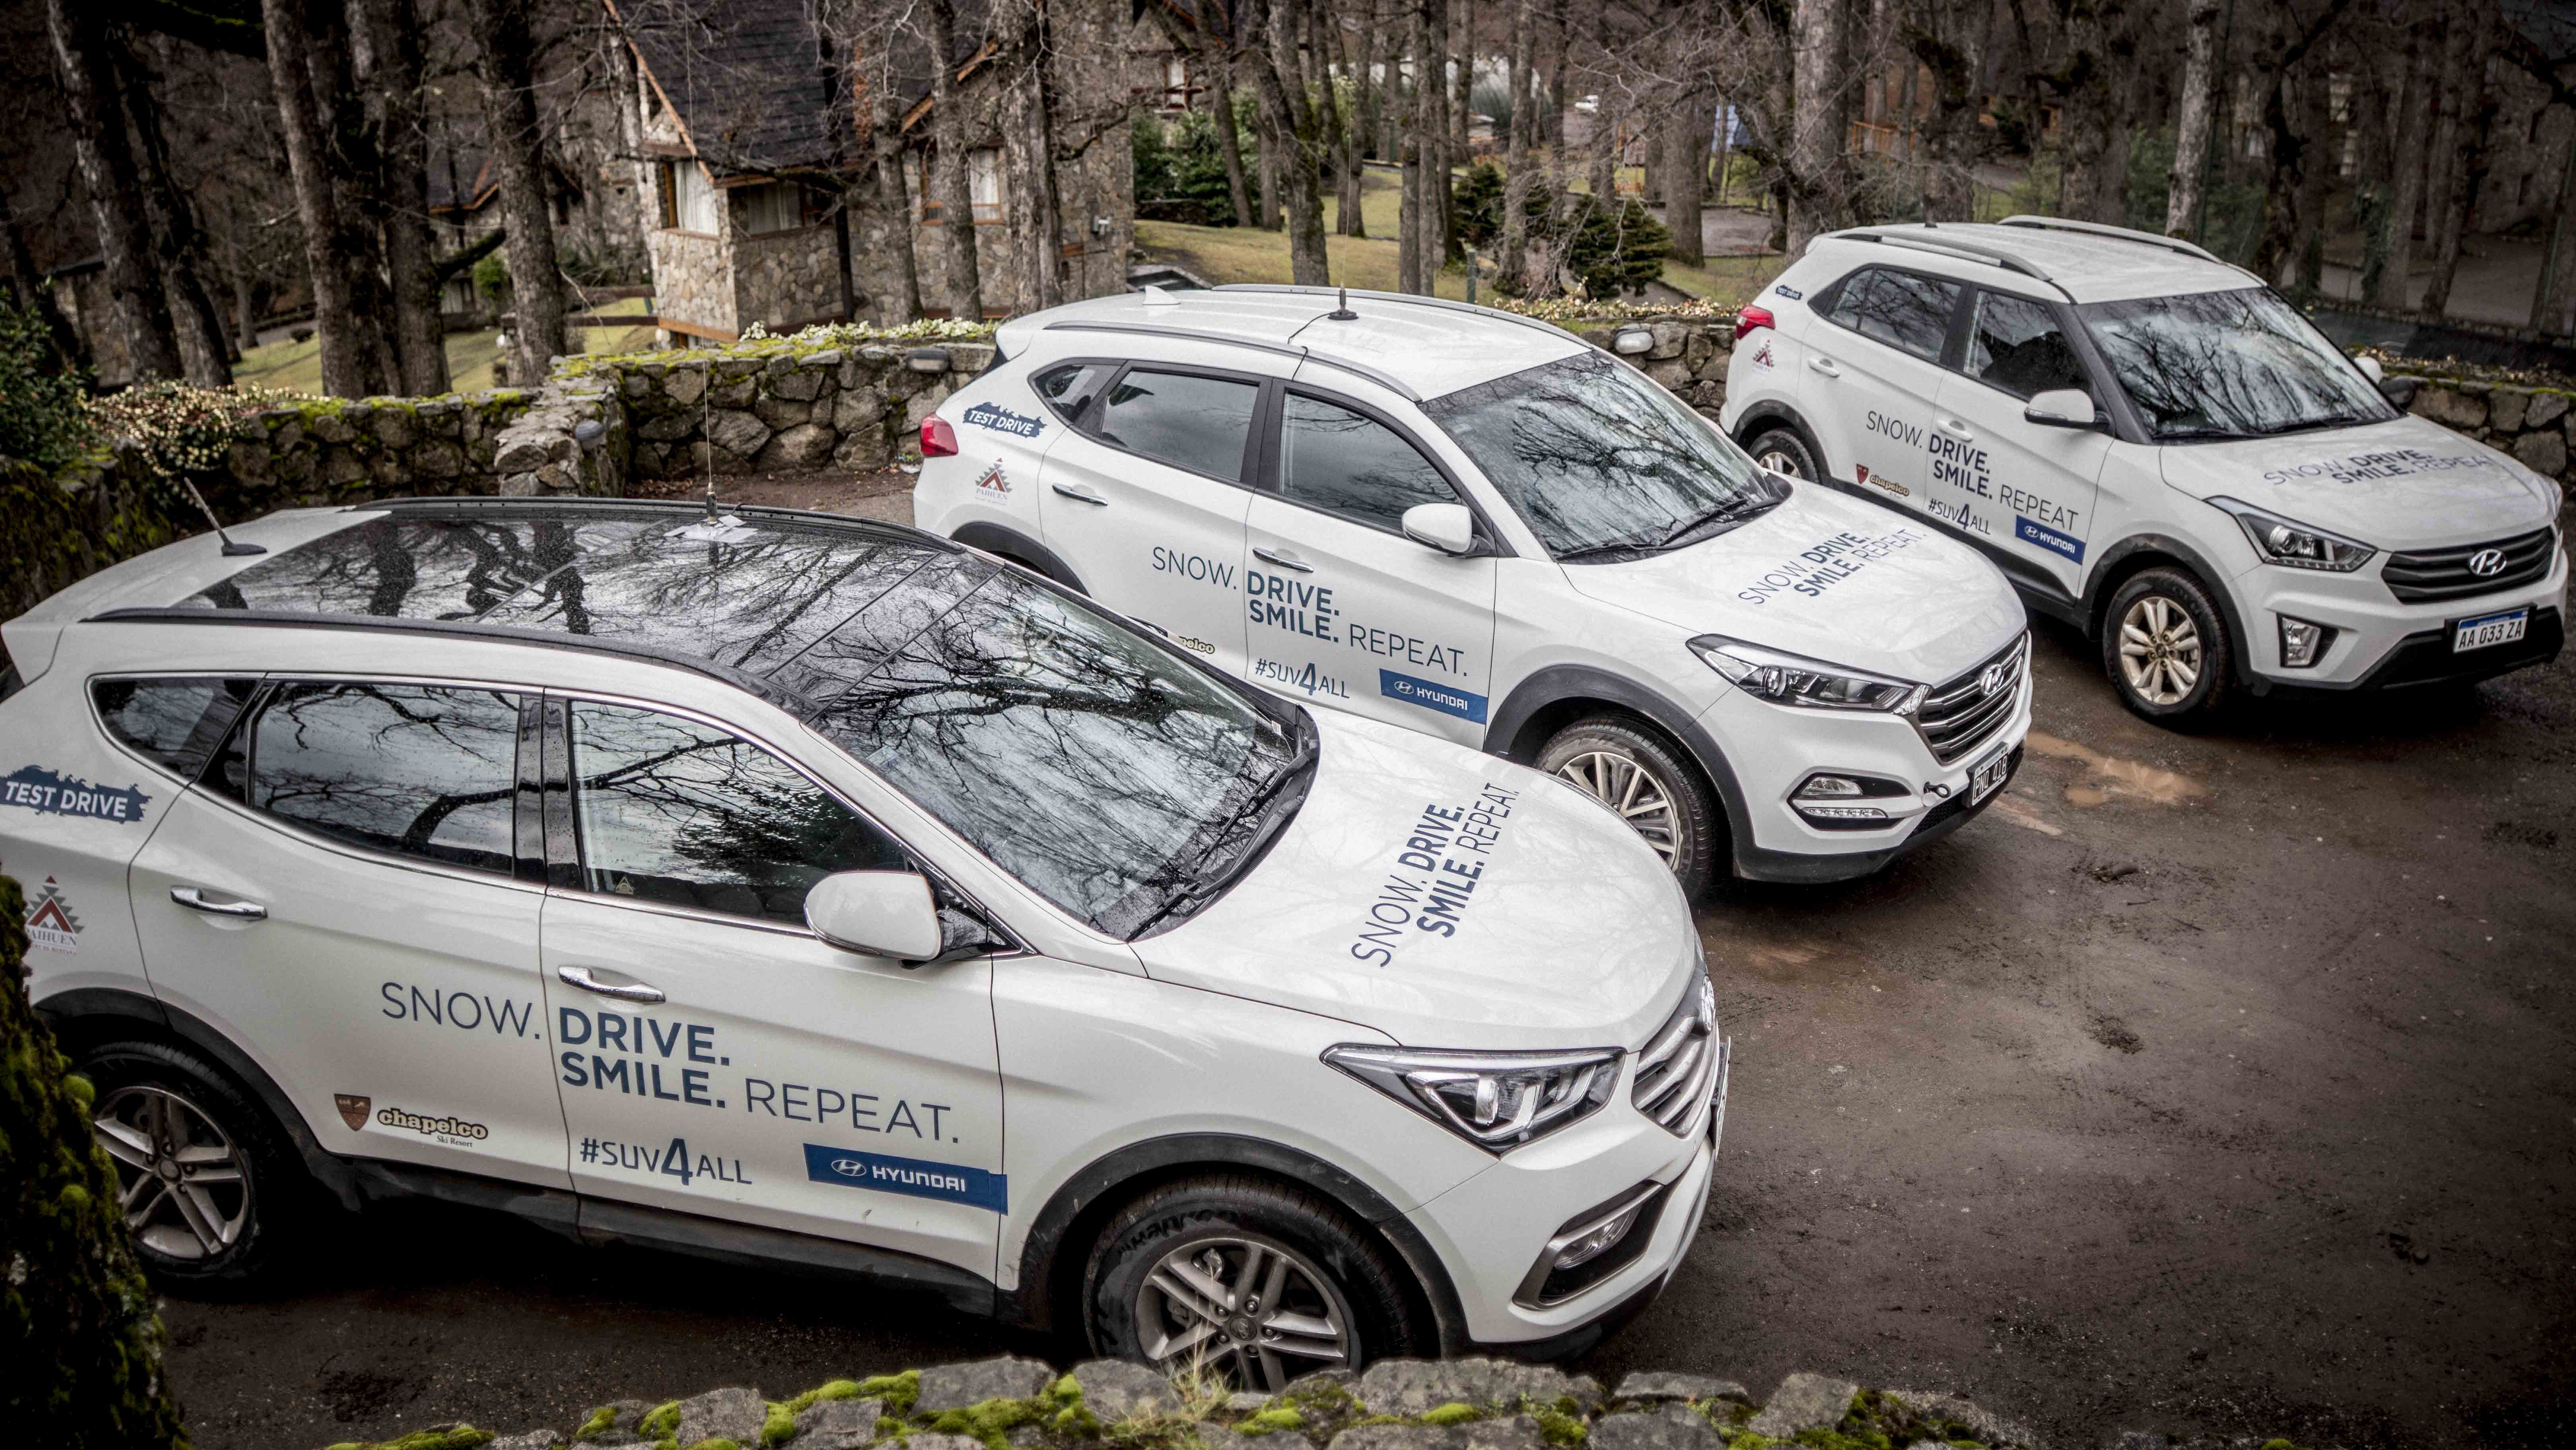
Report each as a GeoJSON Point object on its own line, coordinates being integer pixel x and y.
{"type": "Point", "coordinates": [1477, 526]}
{"type": "Point", "coordinates": [2158, 449]}
{"type": "Point", "coordinates": [791, 887]}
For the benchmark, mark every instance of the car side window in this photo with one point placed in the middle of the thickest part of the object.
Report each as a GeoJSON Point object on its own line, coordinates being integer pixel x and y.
{"type": "Point", "coordinates": [1069, 389]}
{"type": "Point", "coordinates": [1900, 309]}
{"type": "Point", "coordinates": [2015, 344]}
{"type": "Point", "coordinates": [1345, 462]}
{"type": "Point", "coordinates": [676, 811]}
{"type": "Point", "coordinates": [426, 771]}
{"type": "Point", "coordinates": [1183, 419]}
{"type": "Point", "coordinates": [174, 723]}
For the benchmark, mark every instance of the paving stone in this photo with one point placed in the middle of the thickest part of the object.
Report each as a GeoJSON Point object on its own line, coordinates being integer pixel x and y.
{"type": "Point", "coordinates": [1647, 1385]}
{"type": "Point", "coordinates": [1519, 1432]}
{"type": "Point", "coordinates": [1412, 1386]}
{"type": "Point", "coordinates": [838, 1424]}
{"type": "Point", "coordinates": [532, 1440]}
{"type": "Point", "coordinates": [1991, 1428]}
{"type": "Point", "coordinates": [621, 1428]}
{"type": "Point", "coordinates": [1672, 1427]}
{"type": "Point", "coordinates": [734, 1414]}
{"type": "Point", "coordinates": [955, 1386]}
{"type": "Point", "coordinates": [1116, 1389]}
{"type": "Point", "coordinates": [1805, 1402]}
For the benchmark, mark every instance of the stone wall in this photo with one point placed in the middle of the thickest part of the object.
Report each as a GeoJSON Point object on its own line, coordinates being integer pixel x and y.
{"type": "Point", "coordinates": [784, 280]}
{"type": "Point", "coordinates": [692, 280]}
{"type": "Point", "coordinates": [329, 451]}
{"type": "Point", "coordinates": [2535, 425]}
{"type": "Point", "coordinates": [791, 408]}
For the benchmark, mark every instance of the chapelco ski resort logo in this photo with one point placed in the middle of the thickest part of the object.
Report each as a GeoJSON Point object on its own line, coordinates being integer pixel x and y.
{"type": "Point", "coordinates": [1003, 420]}
{"type": "Point", "coordinates": [42, 791]}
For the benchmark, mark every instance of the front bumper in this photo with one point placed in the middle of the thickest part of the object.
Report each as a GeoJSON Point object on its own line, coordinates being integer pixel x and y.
{"type": "Point", "coordinates": [1772, 750]}
{"type": "Point", "coordinates": [2382, 644]}
{"type": "Point", "coordinates": [1488, 1229]}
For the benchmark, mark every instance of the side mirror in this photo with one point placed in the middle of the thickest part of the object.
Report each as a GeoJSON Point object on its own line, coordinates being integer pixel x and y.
{"type": "Point", "coordinates": [878, 913]}
{"type": "Point", "coordinates": [2371, 369]}
{"type": "Point", "coordinates": [2061, 408]}
{"type": "Point", "coordinates": [1448, 527]}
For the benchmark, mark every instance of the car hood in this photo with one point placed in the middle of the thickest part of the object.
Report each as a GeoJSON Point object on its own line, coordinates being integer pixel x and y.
{"type": "Point", "coordinates": [2407, 483]}
{"type": "Point", "coordinates": [1573, 935]}
{"type": "Point", "coordinates": [1830, 577]}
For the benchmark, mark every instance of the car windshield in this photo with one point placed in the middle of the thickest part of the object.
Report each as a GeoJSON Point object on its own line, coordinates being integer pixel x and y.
{"type": "Point", "coordinates": [2241, 364]}
{"type": "Point", "coordinates": [1117, 780]}
{"type": "Point", "coordinates": [1600, 461]}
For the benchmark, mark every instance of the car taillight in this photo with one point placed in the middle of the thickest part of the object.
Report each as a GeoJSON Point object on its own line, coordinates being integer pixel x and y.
{"type": "Point", "coordinates": [938, 440]}
{"type": "Point", "coordinates": [1751, 318]}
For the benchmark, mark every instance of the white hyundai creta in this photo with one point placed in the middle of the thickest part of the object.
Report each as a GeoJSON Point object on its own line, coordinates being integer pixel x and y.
{"type": "Point", "coordinates": [2159, 450]}
{"type": "Point", "coordinates": [791, 887]}
{"type": "Point", "coordinates": [1476, 526]}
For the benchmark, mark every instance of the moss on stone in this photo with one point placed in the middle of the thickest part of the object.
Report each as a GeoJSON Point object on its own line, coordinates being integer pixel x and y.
{"type": "Point", "coordinates": [828, 1390]}
{"type": "Point", "coordinates": [778, 1425]}
{"type": "Point", "coordinates": [660, 1421]}
{"type": "Point", "coordinates": [600, 1422]}
{"type": "Point", "coordinates": [899, 1391]}
{"type": "Point", "coordinates": [1452, 1413]}
{"type": "Point", "coordinates": [1559, 1424]}
{"type": "Point", "coordinates": [451, 1437]}
{"type": "Point", "coordinates": [991, 1421]}
{"type": "Point", "coordinates": [1272, 1418]}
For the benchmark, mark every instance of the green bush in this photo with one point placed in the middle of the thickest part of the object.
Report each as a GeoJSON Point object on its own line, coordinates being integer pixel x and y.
{"type": "Point", "coordinates": [44, 411]}
{"type": "Point", "coordinates": [492, 279]}
{"type": "Point", "coordinates": [1180, 171]}
{"type": "Point", "coordinates": [1480, 204]}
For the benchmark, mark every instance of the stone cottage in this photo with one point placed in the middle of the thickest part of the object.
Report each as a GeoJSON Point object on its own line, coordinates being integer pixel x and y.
{"type": "Point", "coordinates": [755, 162]}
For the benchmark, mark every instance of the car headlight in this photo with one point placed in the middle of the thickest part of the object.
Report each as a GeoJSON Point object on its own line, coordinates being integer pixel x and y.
{"type": "Point", "coordinates": [1495, 1100]}
{"type": "Point", "coordinates": [1787, 679]}
{"type": "Point", "coordinates": [2294, 545]}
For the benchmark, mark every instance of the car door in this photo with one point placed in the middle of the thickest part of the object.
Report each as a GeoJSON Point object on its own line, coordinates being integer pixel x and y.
{"type": "Point", "coordinates": [1146, 500]}
{"type": "Point", "coordinates": [715, 1056]}
{"type": "Point", "coordinates": [2042, 480]}
{"type": "Point", "coordinates": [1876, 372]}
{"type": "Point", "coordinates": [340, 895]}
{"type": "Point", "coordinates": [1340, 607]}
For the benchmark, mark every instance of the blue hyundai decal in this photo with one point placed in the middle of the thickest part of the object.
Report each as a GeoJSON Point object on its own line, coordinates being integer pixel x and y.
{"type": "Point", "coordinates": [1447, 699]}
{"type": "Point", "coordinates": [2049, 539]}
{"type": "Point", "coordinates": [950, 1182]}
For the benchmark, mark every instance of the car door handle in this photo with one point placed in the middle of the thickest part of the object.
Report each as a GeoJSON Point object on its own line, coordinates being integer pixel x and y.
{"type": "Point", "coordinates": [195, 900]}
{"type": "Point", "coordinates": [626, 992]}
{"type": "Point", "coordinates": [1826, 366]}
{"type": "Point", "coordinates": [1283, 560]}
{"type": "Point", "coordinates": [1955, 429]}
{"type": "Point", "coordinates": [1080, 494]}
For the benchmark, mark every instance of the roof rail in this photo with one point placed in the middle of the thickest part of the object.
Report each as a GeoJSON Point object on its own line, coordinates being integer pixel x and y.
{"type": "Point", "coordinates": [434, 505]}
{"type": "Point", "coordinates": [1414, 298]}
{"type": "Point", "coordinates": [1952, 246]}
{"type": "Point", "coordinates": [2104, 229]}
{"type": "Point", "coordinates": [1198, 334]}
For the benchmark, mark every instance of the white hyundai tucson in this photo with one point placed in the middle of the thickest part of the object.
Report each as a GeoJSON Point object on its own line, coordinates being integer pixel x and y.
{"type": "Point", "coordinates": [2159, 450]}
{"type": "Point", "coordinates": [791, 887]}
{"type": "Point", "coordinates": [1476, 526]}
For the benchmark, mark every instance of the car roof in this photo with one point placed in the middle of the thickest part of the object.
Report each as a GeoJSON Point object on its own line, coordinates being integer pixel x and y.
{"type": "Point", "coordinates": [1422, 347]}
{"type": "Point", "coordinates": [761, 598]}
{"type": "Point", "coordinates": [2047, 256]}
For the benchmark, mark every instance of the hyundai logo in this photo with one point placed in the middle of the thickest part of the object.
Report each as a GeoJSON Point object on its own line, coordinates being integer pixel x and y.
{"type": "Point", "coordinates": [849, 1168]}
{"type": "Point", "coordinates": [2487, 563]}
{"type": "Point", "coordinates": [1993, 680]}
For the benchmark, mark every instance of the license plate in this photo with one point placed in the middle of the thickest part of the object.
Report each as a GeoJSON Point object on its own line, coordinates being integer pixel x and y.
{"type": "Point", "coordinates": [1987, 774]}
{"type": "Point", "coordinates": [2489, 629]}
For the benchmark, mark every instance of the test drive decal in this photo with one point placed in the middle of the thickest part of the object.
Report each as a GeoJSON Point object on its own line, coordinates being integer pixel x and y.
{"type": "Point", "coordinates": [42, 791]}
{"type": "Point", "coordinates": [1442, 861]}
{"type": "Point", "coordinates": [1003, 420]}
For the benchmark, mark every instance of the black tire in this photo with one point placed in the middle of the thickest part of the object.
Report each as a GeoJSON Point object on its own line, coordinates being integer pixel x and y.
{"type": "Point", "coordinates": [254, 1215]}
{"type": "Point", "coordinates": [2166, 648]}
{"type": "Point", "coordinates": [1371, 1298]}
{"type": "Point", "coordinates": [1784, 450]}
{"type": "Point", "coordinates": [1692, 833]}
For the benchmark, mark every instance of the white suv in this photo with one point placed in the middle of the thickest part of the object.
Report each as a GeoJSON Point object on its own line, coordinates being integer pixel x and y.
{"type": "Point", "coordinates": [2159, 450]}
{"type": "Point", "coordinates": [1477, 526]}
{"type": "Point", "coordinates": [785, 886]}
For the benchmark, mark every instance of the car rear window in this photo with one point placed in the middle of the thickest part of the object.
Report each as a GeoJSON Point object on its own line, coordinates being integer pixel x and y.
{"type": "Point", "coordinates": [425, 771]}
{"type": "Point", "coordinates": [1183, 419]}
{"type": "Point", "coordinates": [176, 723]}
{"type": "Point", "coordinates": [1901, 309]}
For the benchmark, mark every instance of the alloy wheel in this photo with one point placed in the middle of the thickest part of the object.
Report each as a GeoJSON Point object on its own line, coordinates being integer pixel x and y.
{"type": "Point", "coordinates": [1625, 785]}
{"type": "Point", "coordinates": [1247, 1308]}
{"type": "Point", "coordinates": [1779, 461]}
{"type": "Point", "coordinates": [2159, 650]}
{"type": "Point", "coordinates": [182, 1186]}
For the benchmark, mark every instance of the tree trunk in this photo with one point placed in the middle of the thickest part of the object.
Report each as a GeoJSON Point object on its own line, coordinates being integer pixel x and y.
{"type": "Point", "coordinates": [1941, 45]}
{"type": "Point", "coordinates": [2555, 295]}
{"type": "Point", "coordinates": [952, 171]}
{"type": "Point", "coordinates": [2406, 189]}
{"type": "Point", "coordinates": [308, 159]}
{"type": "Point", "coordinates": [1819, 120]}
{"type": "Point", "coordinates": [1029, 113]}
{"type": "Point", "coordinates": [502, 33]}
{"type": "Point", "coordinates": [1229, 137]}
{"type": "Point", "coordinates": [1686, 132]}
{"type": "Point", "coordinates": [1298, 133]}
{"type": "Point", "coordinates": [176, 245]}
{"type": "Point", "coordinates": [2287, 155]}
{"type": "Point", "coordinates": [1523, 127]}
{"type": "Point", "coordinates": [77, 1316]}
{"type": "Point", "coordinates": [2459, 163]}
{"type": "Point", "coordinates": [1441, 210]}
{"type": "Point", "coordinates": [357, 177]}
{"type": "Point", "coordinates": [1414, 196]}
{"type": "Point", "coordinates": [2192, 124]}
{"type": "Point", "coordinates": [1265, 162]}
{"type": "Point", "coordinates": [104, 152]}
{"type": "Point", "coordinates": [34, 297]}
{"type": "Point", "coordinates": [390, 79]}
{"type": "Point", "coordinates": [894, 197]}
{"type": "Point", "coordinates": [2316, 124]}
{"type": "Point", "coordinates": [1348, 214]}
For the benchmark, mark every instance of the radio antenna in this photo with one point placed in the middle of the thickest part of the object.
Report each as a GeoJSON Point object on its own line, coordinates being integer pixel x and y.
{"type": "Point", "coordinates": [232, 550]}
{"type": "Point", "coordinates": [1342, 309]}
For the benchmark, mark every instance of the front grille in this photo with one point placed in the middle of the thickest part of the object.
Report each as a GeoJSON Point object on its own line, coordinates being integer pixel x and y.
{"type": "Point", "coordinates": [1677, 1065]}
{"type": "Point", "coordinates": [1963, 714]}
{"type": "Point", "coordinates": [2423, 576]}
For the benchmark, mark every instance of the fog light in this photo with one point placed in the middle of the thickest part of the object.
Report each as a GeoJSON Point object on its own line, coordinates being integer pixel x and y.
{"type": "Point", "coordinates": [1828, 785]}
{"type": "Point", "coordinates": [1599, 1239]}
{"type": "Point", "coordinates": [1842, 813]}
{"type": "Point", "coordinates": [2303, 643]}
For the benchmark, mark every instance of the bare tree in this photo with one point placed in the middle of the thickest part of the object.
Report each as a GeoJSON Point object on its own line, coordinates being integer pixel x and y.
{"type": "Point", "coordinates": [2195, 116]}
{"type": "Point", "coordinates": [1523, 128]}
{"type": "Point", "coordinates": [108, 172]}
{"type": "Point", "coordinates": [2420, 66]}
{"type": "Point", "coordinates": [2461, 127]}
{"type": "Point", "coordinates": [1821, 111]}
{"type": "Point", "coordinates": [389, 70]}
{"type": "Point", "coordinates": [317, 206]}
{"type": "Point", "coordinates": [1292, 120]}
{"type": "Point", "coordinates": [2286, 153]}
{"type": "Point", "coordinates": [505, 41]}
{"type": "Point", "coordinates": [952, 178]}
{"type": "Point", "coordinates": [204, 353]}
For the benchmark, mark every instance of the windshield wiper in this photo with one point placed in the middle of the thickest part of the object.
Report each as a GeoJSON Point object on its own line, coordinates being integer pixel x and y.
{"type": "Point", "coordinates": [1298, 768]}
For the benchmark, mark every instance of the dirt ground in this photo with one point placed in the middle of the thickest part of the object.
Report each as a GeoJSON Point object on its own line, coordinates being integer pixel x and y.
{"type": "Point", "coordinates": [2215, 1083]}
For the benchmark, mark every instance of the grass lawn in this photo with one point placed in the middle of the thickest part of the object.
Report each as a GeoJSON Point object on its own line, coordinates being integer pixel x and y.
{"type": "Point", "coordinates": [1727, 281]}
{"type": "Point", "coordinates": [296, 367]}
